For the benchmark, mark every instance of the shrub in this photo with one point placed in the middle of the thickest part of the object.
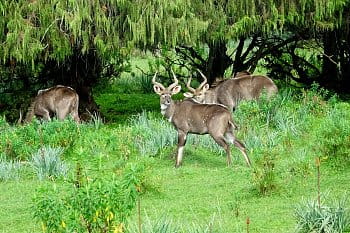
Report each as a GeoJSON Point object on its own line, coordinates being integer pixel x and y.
{"type": "Point", "coordinates": [9, 170]}
{"type": "Point", "coordinates": [332, 136]}
{"type": "Point", "coordinates": [47, 163]}
{"type": "Point", "coordinates": [19, 143]}
{"type": "Point", "coordinates": [264, 174]}
{"type": "Point", "coordinates": [94, 206]}
{"type": "Point", "coordinates": [326, 219]}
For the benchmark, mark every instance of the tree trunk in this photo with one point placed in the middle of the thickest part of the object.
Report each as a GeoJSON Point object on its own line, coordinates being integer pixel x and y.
{"type": "Point", "coordinates": [218, 61]}
{"type": "Point", "coordinates": [330, 74]}
{"type": "Point", "coordinates": [81, 72]}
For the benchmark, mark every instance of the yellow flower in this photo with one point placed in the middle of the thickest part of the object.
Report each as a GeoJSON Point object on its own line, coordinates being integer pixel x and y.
{"type": "Point", "coordinates": [43, 226]}
{"type": "Point", "coordinates": [63, 224]}
{"type": "Point", "coordinates": [111, 215]}
{"type": "Point", "coordinates": [119, 228]}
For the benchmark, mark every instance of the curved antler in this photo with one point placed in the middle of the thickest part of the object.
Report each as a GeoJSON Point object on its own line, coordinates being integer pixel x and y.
{"type": "Point", "coordinates": [157, 83]}
{"type": "Point", "coordinates": [205, 80]}
{"type": "Point", "coordinates": [189, 85]}
{"type": "Point", "coordinates": [175, 83]}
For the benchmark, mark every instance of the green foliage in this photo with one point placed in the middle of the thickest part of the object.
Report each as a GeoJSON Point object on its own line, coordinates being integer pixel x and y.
{"type": "Point", "coordinates": [264, 175]}
{"type": "Point", "coordinates": [334, 218]}
{"type": "Point", "coordinates": [21, 142]}
{"type": "Point", "coordinates": [332, 137]}
{"type": "Point", "coordinates": [99, 205]}
{"type": "Point", "coordinates": [48, 164]}
{"type": "Point", "coordinates": [9, 170]}
{"type": "Point", "coordinates": [166, 225]}
{"type": "Point", "coordinates": [118, 107]}
{"type": "Point", "coordinates": [282, 143]}
{"type": "Point", "coordinates": [162, 225]}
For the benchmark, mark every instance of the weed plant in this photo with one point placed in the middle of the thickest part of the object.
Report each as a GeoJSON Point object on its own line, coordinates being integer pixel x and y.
{"type": "Point", "coordinates": [48, 164]}
{"type": "Point", "coordinates": [98, 205]}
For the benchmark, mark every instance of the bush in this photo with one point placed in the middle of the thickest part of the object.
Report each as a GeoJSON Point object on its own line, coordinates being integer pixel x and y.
{"type": "Point", "coordinates": [264, 174]}
{"type": "Point", "coordinates": [326, 219]}
{"type": "Point", "coordinates": [94, 206]}
{"type": "Point", "coordinates": [47, 163]}
{"type": "Point", "coordinates": [19, 143]}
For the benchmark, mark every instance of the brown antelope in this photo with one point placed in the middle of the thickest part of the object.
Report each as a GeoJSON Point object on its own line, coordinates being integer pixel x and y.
{"type": "Point", "coordinates": [229, 92]}
{"type": "Point", "coordinates": [189, 116]}
{"type": "Point", "coordinates": [59, 100]}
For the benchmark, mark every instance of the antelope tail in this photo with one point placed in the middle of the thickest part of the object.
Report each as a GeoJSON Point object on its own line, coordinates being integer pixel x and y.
{"type": "Point", "coordinates": [20, 117]}
{"type": "Point", "coordinates": [233, 125]}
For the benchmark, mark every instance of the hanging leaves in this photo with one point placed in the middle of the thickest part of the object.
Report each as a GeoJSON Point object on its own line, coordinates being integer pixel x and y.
{"type": "Point", "coordinates": [52, 29]}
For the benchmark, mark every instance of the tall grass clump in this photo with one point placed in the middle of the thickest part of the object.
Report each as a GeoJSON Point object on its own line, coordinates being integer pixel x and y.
{"type": "Point", "coordinates": [9, 170]}
{"type": "Point", "coordinates": [334, 218]}
{"type": "Point", "coordinates": [3, 123]}
{"type": "Point", "coordinates": [48, 164]}
{"type": "Point", "coordinates": [162, 225]}
{"type": "Point", "coordinates": [152, 134]}
{"type": "Point", "coordinates": [166, 225]}
{"type": "Point", "coordinates": [145, 84]}
{"type": "Point", "coordinates": [96, 120]}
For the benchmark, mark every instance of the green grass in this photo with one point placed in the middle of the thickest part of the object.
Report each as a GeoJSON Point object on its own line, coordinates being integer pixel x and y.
{"type": "Point", "coordinates": [287, 133]}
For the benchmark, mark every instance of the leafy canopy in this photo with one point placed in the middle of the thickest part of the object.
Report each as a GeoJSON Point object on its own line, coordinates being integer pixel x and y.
{"type": "Point", "coordinates": [51, 29]}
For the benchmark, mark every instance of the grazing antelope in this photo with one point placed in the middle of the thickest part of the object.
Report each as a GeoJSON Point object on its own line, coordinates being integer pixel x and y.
{"type": "Point", "coordinates": [189, 116]}
{"type": "Point", "coordinates": [230, 92]}
{"type": "Point", "coordinates": [59, 100]}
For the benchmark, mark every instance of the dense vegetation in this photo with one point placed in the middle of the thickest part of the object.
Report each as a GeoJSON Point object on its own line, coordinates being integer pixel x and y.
{"type": "Point", "coordinates": [81, 44]}
{"type": "Point", "coordinates": [284, 137]}
{"type": "Point", "coordinates": [114, 172]}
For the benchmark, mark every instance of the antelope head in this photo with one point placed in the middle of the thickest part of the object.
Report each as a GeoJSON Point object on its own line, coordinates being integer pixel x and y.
{"type": "Point", "coordinates": [198, 93]}
{"type": "Point", "coordinates": [165, 93]}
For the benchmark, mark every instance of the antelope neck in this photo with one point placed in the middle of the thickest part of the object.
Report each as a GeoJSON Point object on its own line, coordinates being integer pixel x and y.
{"type": "Point", "coordinates": [168, 110]}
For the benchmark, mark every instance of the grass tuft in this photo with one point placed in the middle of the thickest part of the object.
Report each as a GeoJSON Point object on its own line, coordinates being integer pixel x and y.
{"type": "Point", "coordinates": [47, 163]}
{"type": "Point", "coordinates": [9, 170]}
{"type": "Point", "coordinates": [327, 219]}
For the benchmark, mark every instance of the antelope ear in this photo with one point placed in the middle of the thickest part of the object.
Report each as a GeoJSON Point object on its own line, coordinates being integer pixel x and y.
{"type": "Point", "coordinates": [188, 94]}
{"type": "Point", "coordinates": [176, 89]}
{"type": "Point", "coordinates": [206, 87]}
{"type": "Point", "coordinates": [158, 89]}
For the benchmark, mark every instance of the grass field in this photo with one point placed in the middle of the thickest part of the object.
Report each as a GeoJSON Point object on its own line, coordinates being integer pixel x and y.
{"type": "Point", "coordinates": [283, 136]}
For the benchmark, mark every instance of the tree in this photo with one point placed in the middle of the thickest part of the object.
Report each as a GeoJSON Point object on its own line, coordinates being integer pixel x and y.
{"type": "Point", "coordinates": [78, 43]}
